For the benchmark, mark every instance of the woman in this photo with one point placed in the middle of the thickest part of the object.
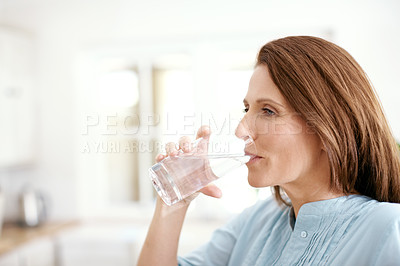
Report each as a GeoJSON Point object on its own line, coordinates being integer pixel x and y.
{"type": "Point", "coordinates": [324, 144]}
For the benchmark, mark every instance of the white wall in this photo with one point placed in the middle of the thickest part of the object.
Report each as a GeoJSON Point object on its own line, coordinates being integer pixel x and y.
{"type": "Point", "coordinates": [369, 30]}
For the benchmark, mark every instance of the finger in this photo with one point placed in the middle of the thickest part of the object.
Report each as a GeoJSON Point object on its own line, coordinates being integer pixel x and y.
{"type": "Point", "coordinates": [160, 157]}
{"type": "Point", "coordinates": [212, 191]}
{"type": "Point", "coordinates": [185, 144]}
{"type": "Point", "coordinates": [170, 149]}
{"type": "Point", "coordinates": [203, 135]}
{"type": "Point", "coordinates": [203, 132]}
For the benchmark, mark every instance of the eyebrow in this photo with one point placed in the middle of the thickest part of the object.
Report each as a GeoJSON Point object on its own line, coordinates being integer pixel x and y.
{"type": "Point", "coordinates": [260, 100]}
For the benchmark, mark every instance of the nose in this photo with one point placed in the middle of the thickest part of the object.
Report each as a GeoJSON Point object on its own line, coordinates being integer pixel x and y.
{"type": "Point", "coordinates": [243, 129]}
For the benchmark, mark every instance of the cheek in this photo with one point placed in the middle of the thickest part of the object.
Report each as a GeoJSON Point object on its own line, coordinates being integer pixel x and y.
{"type": "Point", "coordinates": [286, 156]}
{"type": "Point", "coordinates": [284, 127]}
{"type": "Point", "coordinates": [277, 146]}
{"type": "Point", "coordinates": [289, 151]}
{"type": "Point", "coordinates": [289, 140]}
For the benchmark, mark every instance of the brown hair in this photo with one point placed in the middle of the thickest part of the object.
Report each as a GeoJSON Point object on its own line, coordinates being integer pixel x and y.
{"type": "Point", "coordinates": [324, 84]}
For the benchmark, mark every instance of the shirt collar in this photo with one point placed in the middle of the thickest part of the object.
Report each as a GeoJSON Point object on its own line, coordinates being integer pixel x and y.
{"type": "Point", "coordinates": [338, 205]}
{"type": "Point", "coordinates": [317, 209]}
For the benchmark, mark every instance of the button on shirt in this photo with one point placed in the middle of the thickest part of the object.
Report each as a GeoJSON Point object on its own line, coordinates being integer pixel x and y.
{"type": "Point", "coordinates": [349, 230]}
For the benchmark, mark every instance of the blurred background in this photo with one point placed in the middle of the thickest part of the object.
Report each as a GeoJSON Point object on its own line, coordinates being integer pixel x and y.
{"type": "Point", "coordinates": [91, 90]}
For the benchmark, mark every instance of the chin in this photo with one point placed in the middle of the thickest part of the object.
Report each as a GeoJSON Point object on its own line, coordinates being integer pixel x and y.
{"type": "Point", "coordinates": [257, 181]}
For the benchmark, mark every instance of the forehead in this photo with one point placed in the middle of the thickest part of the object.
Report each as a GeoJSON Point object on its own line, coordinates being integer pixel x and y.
{"type": "Point", "coordinates": [262, 86]}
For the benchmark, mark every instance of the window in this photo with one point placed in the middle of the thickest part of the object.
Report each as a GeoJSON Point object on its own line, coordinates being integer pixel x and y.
{"type": "Point", "coordinates": [181, 114]}
{"type": "Point", "coordinates": [118, 98]}
{"type": "Point", "coordinates": [135, 111]}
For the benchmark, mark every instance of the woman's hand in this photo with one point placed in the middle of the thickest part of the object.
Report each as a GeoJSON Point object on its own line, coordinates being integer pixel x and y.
{"type": "Point", "coordinates": [161, 244]}
{"type": "Point", "coordinates": [185, 147]}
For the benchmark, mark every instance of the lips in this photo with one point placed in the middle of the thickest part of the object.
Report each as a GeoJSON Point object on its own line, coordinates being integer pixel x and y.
{"type": "Point", "coordinates": [253, 157]}
{"type": "Point", "coordinates": [251, 154]}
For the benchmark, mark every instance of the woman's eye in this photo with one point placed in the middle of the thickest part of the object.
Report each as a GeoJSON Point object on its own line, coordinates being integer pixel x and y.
{"type": "Point", "coordinates": [245, 110]}
{"type": "Point", "coordinates": [268, 112]}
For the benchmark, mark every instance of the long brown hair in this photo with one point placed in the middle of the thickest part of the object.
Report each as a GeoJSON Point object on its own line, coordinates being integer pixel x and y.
{"type": "Point", "coordinates": [324, 84]}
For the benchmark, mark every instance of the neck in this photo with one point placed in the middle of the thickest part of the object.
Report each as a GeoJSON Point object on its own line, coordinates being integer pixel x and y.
{"type": "Point", "coordinates": [299, 198]}
{"type": "Point", "coordinates": [314, 186]}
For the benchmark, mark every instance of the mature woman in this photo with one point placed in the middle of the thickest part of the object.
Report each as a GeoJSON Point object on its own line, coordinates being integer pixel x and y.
{"type": "Point", "coordinates": [324, 144]}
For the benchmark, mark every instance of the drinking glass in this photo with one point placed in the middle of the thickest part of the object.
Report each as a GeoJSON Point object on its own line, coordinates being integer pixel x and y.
{"type": "Point", "coordinates": [177, 177]}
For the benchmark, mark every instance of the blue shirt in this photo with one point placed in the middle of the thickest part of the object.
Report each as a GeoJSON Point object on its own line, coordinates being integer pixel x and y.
{"type": "Point", "coordinates": [349, 230]}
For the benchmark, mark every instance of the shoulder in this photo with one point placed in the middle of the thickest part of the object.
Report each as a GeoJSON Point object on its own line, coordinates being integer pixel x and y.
{"type": "Point", "coordinates": [372, 235]}
{"type": "Point", "coordinates": [265, 207]}
{"type": "Point", "coordinates": [385, 222]}
{"type": "Point", "coordinates": [381, 223]}
{"type": "Point", "coordinates": [366, 210]}
{"type": "Point", "coordinates": [384, 214]}
{"type": "Point", "coordinates": [262, 212]}
{"type": "Point", "coordinates": [262, 216]}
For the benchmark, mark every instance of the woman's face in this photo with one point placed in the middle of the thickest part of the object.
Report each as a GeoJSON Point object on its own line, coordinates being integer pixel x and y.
{"type": "Point", "coordinates": [287, 151]}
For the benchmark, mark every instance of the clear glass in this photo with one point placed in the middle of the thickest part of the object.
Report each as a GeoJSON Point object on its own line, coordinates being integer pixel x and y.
{"type": "Point", "coordinates": [177, 177]}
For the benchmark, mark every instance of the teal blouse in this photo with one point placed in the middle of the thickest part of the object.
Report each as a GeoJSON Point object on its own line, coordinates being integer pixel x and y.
{"type": "Point", "coordinates": [349, 230]}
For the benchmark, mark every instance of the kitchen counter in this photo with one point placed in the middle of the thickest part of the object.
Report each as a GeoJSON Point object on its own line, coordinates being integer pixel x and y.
{"type": "Point", "coordinates": [14, 236]}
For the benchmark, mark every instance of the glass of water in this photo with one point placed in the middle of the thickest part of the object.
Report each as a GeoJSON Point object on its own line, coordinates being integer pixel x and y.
{"type": "Point", "coordinates": [177, 177]}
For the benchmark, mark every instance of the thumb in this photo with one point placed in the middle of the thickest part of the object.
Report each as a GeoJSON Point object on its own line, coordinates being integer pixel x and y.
{"type": "Point", "coordinates": [212, 191]}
